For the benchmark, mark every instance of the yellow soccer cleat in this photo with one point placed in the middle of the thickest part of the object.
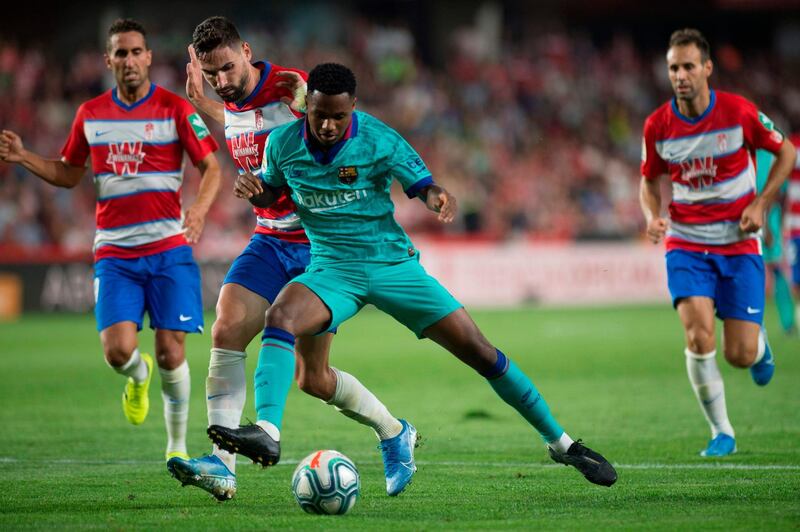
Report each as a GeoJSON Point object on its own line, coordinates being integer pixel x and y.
{"type": "Point", "coordinates": [135, 402]}
{"type": "Point", "coordinates": [178, 454]}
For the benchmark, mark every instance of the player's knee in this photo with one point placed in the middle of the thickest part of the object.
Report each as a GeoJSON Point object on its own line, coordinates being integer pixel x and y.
{"type": "Point", "coordinates": [700, 340]}
{"type": "Point", "coordinates": [225, 334]}
{"type": "Point", "coordinates": [169, 352]}
{"type": "Point", "coordinates": [740, 355]}
{"type": "Point", "coordinates": [278, 317]}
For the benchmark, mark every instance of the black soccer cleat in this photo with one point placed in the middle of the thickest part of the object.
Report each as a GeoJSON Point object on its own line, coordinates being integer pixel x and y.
{"type": "Point", "coordinates": [592, 465]}
{"type": "Point", "coordinates": [248, 440]}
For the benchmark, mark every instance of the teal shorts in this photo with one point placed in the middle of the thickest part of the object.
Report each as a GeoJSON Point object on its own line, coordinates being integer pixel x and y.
{"type": "Point", "coordinates": [404, 290]}
{"type": "Point", "coordinates": [774, 252]}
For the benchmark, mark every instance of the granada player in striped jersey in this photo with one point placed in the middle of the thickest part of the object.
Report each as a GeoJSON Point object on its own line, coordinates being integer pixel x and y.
{"type": "Point", "coordinates": [793, 222]}
{"type": "Point", "coordinates": [257, 98]}
{"type": "Point", "coordinates": [135, 135]}
{"type": "Point", "coordinates": [705, 142]}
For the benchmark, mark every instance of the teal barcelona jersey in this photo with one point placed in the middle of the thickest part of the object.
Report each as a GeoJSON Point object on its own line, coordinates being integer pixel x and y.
{"type": "Point", "coordinates": [342, 194]}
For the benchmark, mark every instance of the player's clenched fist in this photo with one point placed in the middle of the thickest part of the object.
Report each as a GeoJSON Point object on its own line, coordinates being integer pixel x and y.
{"type": "Point", "coordinates": [441, 201]}
{"type": "Point", "coordinates": [11, 148]}
{"type": "Point", "coordinates": [247, 185]}
{"type": "Point", "coordinates": [656, 229]}
{"type": "Point", "coordinates": [752, 217]}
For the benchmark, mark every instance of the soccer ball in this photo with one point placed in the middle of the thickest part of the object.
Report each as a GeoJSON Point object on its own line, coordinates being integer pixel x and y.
{"type": "Point", "coordinates": [326, 482]}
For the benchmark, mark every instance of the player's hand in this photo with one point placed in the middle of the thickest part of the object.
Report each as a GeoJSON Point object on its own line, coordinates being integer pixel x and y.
{"type": "Point", "coordinates": [247, 185]}
{"type": "Point", "coordinates": [441, 201]}
{"type": "Point", "coordinates": [295, 83]}
{"type": "Point", "coordinates": [193, 222]}
{"type": "Point", "coordinates": [194, 78]}
{"type": "Point", "coordinates": [11, 148]}
{"type": "Point", "coordinates": [752, 217]}
{"type": "Point", "coordinates": [656, 229]}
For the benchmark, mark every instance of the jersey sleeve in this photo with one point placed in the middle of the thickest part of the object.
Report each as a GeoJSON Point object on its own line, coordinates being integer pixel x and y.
{"type": "Point", "coordinates": [270, 172]}
{"type": "Point", "coordinates": [193, 133]}
{"type": "Point", "coordinates": [76, 149]}
{"type": "Point", "coordinates": [653, 166]}
{"type": "Point", "coordinates": [408, 167]}
{"type": "Point", "coordinates": [759, 131]}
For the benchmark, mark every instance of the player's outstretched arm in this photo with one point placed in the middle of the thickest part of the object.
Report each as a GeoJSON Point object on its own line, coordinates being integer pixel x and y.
{"type": "Point", "coordinates": [196, 94]}
{"type": "Point", "coordinates": [195, 217]}
{"type": "Point", "coordinates": [650, 201]}
{"type": "Point", "coordinates": [55, 171]}
{"type": "Point", "coordinates": [753, 215]}
{"type": "Point", "coordinates": [439, 200]}
{"type": "Point", "coordinates": [251, 187]}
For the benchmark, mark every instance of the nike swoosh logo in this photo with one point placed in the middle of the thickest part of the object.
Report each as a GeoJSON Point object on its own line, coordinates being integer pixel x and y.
{"type": "Point", "coordinates": [751, 310]}
{"type": "Point", "coordinates": [210, 397]}
{"type": "Point", "coordinates": [709, 401]}
{"type": "Point", "coordinates": [101, 133]}
{"type": "Point", "coordinates": [184, 318]}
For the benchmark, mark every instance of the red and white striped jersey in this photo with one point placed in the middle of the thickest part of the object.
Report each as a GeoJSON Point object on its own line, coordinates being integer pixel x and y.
{"type": "Point", "coordinates": [793, 193]}
{"type": "Point", "coordinates": [137, 161]}
{"type": "Point", "coordinates": [247, 125]}
{"type": "Point", "coordinates": [710, 160]}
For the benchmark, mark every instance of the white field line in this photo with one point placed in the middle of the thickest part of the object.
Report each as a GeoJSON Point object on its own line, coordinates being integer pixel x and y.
{"type": "Point", "coordinates": [425, 463]}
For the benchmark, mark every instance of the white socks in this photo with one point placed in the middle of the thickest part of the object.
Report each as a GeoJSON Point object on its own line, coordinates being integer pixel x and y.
{"type": "Point", "coordinates": [562, 444]}
{"type": "Point", "coordinates": [762, 346]}
{"type": "Point", "coordinates": [271, 429]}
{"type": "Point", "coordinates": [226, 391]}
{"type": "Point", "coordinates": [175, 387]}
{"type": "Point", "coordinates": [709, 389]}
{"type": "Point", "coordinates": [134, 368]}
{"type": "Point", "coordinates": [353, 400]}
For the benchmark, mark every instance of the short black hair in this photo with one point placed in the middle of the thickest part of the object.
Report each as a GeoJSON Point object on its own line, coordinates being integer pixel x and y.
{"type": "Point", "coordinates": [123, 25]}
{"type": "Point", "coordinates": [214, 32]}
{"type": "Point", "coordinates": [332, 79]}
{"type": "Point", "coordinates": [688, 36]}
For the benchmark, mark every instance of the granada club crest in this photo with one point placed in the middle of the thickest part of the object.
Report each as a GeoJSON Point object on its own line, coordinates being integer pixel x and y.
{"type": "Point", "coordinates": [259, 119]}
{"type": "Point", "coordinates": [722, 143]}
{"type": "Point", "coordinates": [148, 131]}
{"type": "Point", "coordinates": [125, 157]}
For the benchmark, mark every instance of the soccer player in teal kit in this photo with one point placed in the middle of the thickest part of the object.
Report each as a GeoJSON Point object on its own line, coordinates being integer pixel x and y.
{"type": "Point", "coordinates": [339, 165]}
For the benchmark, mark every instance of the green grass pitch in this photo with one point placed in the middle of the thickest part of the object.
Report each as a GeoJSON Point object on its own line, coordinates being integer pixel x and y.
{"type": "Point", "coordinates": [613, 376]}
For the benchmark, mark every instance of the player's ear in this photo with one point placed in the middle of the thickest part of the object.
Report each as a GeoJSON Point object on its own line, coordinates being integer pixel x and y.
{"type": "Point", "coordinates": [709, 67]}
{"type": "Point", "coordinates": [149, 53]}
{"type": "Point", "coordinates": [247, 51]}
{"type": "Point", "coordinates": [354, 102]}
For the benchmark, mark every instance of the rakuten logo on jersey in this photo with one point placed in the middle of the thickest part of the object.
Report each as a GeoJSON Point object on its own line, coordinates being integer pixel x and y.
{"type": "Point", "coordinates": [699, 173]}
{"type": "Point", "coordinates": [125, 157]}
{"type": "Point", "coordinates": [245, 150]}
{"type": "Point", "coordinates": [326, 201]}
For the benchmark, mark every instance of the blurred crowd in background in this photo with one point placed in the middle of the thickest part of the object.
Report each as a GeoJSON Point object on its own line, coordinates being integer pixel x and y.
{"type": "Point", "coordinates": [538, 138]}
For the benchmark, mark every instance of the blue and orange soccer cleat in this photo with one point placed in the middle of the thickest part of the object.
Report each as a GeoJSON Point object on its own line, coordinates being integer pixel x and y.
{"type": "Point", "coordinates": [763, 370]}
{"type": "Point", "coordinates": [398, 458]}
{"type": "Point", "coordinates": [207, 473]}
{"type": "Point", "coordinates": [720, 445]}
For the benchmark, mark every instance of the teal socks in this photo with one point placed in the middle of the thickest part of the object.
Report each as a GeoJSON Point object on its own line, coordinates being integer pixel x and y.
{"type": "Point", "coordinates": [274, 374]}
{"type": "Point", "coordinates": [516, 389]}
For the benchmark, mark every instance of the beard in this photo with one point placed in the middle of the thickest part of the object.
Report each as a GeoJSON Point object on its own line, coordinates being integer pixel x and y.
{"type": "Point", "coordinates": [235, 93]}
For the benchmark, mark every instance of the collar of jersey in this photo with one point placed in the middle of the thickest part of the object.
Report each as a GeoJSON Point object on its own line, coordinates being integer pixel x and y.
{"type": "Point", "coordinates": [265, 69]}
{"type": "Point", "coordinates": [136, 104]}
{"type": "Point", "coordinates": [685, 118]}
{"type": "Point", "coordinates": [325, 157]}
